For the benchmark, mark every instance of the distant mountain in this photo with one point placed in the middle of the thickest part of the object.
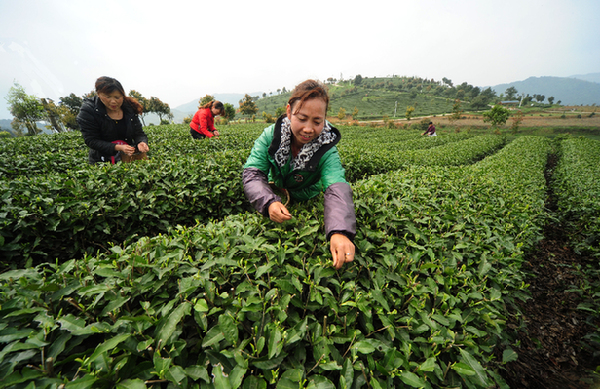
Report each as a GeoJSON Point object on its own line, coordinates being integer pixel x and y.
{"type": "Point", "coordinates": [592, 77]}
{"type": "Point", "coordinates": [567, 90]}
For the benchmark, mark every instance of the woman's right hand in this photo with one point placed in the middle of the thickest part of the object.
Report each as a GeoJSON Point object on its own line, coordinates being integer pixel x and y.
{"type": "Point", "coordinates": [125, 149]}
{"type": "Point", "coordinates": [278, 212]}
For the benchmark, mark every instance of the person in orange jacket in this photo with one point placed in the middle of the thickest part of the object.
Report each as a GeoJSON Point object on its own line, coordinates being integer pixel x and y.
{"type": "Point", "coordinates": [203, 124]}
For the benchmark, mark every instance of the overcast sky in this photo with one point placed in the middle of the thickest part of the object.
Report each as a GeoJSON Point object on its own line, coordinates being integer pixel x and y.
{"type": "Point", "coordinates": [180, 51]}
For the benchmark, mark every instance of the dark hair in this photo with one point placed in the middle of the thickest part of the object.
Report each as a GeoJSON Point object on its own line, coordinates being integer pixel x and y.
{"type": "Point", "coordinates": [215, 104]}
{"type": "Point", "coordinates": [108, 85]}
{"type": "Point", "coordinates": [309, 89]}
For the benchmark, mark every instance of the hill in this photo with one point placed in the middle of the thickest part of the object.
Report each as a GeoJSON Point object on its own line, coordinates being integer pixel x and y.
{"type": "Point", "coordinates": [592, 77]}
{"type": "Point", "coordinates": [569, 91]}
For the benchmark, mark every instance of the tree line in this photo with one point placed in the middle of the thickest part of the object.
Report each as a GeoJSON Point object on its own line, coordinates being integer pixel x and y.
{"type": "Point", "coordinates": [478, 98]}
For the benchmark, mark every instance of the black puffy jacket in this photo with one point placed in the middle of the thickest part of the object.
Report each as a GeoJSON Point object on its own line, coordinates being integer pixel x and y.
{"type": "Point", "coordinates": [99, 131]}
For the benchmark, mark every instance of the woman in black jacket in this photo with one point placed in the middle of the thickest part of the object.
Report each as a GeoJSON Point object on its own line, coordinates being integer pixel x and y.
{"type": "Point", "coordinates": [110, 124]}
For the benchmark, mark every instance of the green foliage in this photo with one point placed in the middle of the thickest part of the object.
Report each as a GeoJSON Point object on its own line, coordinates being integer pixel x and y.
{"type": "Point", "coordinates": [249, 303]}
{"type": "Point", "coordinates": [161, 109]}
{"type": "Point", "coordinates": [409, 112]}
{"type": "Point", "coordinates": [511, 93]}
{"type": "Point", "coordinates": [26, 109]}
{"type": "Point", "coordinates": [341, 113]}
{"type": "Point", "coordinates": [248, 106]}
{"type": "Point", "coordinates": [205, 100]}
{"type": "Point", "coordinates": [375, 97]}
{"type": "Point", "coordinates": [498, 115]}
{"type": "Point", "coordinates": [577, 185]}
{"type": "Point", "coordinates": [196, 291]}
{"type": "Point", "coordinates": [229, 111]}
{"type": "Point", "coordinates": [456, 110]}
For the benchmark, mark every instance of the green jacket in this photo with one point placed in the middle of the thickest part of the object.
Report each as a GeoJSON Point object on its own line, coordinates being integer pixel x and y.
{"type": "Point", "coordinates": [325, 167]}
{"type": "Point", "coordinates": [322, 173]}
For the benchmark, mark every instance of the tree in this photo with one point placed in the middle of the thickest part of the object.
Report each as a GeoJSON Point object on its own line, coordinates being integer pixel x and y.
{"type": "Point", "coordinates": [26, 109]}
{"type": "Point", "coordinates": [72, 104]}
{"type": "Point", "coordinates": [456, 110]}
{"type": "Point", "coordinates": [497, 115]}
{"type": "Point", "coordinates": [447, 81]}
{"type": "Point", "coordinates": [341, 114]}
{"type": "Point", "coordinates": [478, 102]}
{"type": "Point", "coordinates": [488, 95]}
{"type": "Point", "coordinates": [161, 109]}
{"type": "Point", "coordinates": [55, 114]}
{"type": "Point", "coordinates": [229, 111]}
{"type": "Point", "coordinates": [143, 101]}
{"type": "Point", "coordinates": [409, 112]}
{"type": "Point", "coordinates": [206, 99]}
{"type": "Point", "coordinates": [279, 111]}
{"type": "Point", "coordinates": [248, 106]}
{"type": "Point", "coordinates": [474, 92]}
{"type": "Point", "coordinates": [516, 121]}
{"type": "Point", "coordinates": [550, 100]}
{"type": "Point", "coordinates": [526, 100]}
{"type": "Point", "coordinates": [354, 113]}
{"type": "Point", "coordinates": [511, 93]}
{"type": "Point", "coordinates": [358, 79]}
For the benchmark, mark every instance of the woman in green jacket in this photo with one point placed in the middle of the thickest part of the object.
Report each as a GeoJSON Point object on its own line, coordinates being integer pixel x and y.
{"type": "Point", "coordinates": [299, 153]}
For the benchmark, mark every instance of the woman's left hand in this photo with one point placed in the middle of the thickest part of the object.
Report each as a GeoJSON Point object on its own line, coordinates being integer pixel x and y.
{"type": "Point", "coordinates": [342, 250]}
{"type": "Point", "coordinates": [143, 147]}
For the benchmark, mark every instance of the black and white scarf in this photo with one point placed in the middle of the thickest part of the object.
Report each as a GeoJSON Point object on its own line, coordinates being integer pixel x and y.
{"type": "Point", "coordinates": [283, 154]}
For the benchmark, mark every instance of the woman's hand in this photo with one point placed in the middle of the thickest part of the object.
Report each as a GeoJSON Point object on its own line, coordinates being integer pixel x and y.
{"type": "Point", "coordinates": [342, 250]}
{"type": "Point", "coordinates": [143, 147]}
{"type": "Point", "coordinates": [278, 212]}
{"type": "Point", "coordinates": [216, 133]}
{"type": "Point", "coordinates": [125, 149]}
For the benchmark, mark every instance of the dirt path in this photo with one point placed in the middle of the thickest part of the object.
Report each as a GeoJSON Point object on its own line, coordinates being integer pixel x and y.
{"type": "Point", "coordinates": [551, 355]}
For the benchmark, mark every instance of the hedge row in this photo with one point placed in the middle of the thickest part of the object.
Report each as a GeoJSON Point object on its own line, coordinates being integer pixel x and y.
{"type": "Point", "coordinates": [244, 302]}
{"type": "Point", "coordinates": [60, 213]}
{"type": "Point", "coordinates": [64, 215]}
{"type": "Point", "coordinates": [365, 159]}
{"type": "Point", "coordinates": [577, 187]}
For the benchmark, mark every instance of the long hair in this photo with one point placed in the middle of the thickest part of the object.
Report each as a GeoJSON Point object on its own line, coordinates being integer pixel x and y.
{"type": "Point", "coordinates": [215, 104]}
{"type": "Point", "coordinates": [108, 85]}
{"type": "Point", "coordinates": [307, 90]}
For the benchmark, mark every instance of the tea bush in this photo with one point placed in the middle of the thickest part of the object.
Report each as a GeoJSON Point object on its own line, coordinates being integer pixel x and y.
{"type": "Point", "coordinates": [244, 302]}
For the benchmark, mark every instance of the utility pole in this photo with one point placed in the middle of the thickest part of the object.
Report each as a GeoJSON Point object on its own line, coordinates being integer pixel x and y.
{"type": "Point", "coordinates": [395, 107]}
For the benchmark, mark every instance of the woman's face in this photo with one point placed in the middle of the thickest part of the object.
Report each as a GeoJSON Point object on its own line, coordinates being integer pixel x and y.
{"type": "Point", "coordinates": [215, 111]}
{"type": "Point", "coordinates": [112, 101]}
{"type": "Point", "coordinates": [308, 121]}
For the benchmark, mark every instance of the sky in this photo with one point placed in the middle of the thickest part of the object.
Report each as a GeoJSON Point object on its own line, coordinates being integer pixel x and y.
{"type": "Point", "coordinates": [180, 51]}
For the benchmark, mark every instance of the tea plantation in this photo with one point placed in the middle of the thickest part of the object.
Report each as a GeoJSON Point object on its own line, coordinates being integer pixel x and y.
{"type": "Point", "coordinates": [158, 273]}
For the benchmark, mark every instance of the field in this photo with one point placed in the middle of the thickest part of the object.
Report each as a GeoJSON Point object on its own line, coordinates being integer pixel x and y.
{"type": "Point", "coordinates": [476, 266]}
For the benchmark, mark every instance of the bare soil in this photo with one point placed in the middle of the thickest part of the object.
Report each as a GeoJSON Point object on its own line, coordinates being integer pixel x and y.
{"type": "Point", "coordinates": [553, 353]}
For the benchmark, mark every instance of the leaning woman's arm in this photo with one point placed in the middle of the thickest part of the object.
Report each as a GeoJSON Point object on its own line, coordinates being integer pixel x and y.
{"type": "Point", "coordinates": [339, 212]}
{"type": "Point", "coordinates": [339, 207]}
{"type": "Point", "coordinates": [258, 191]}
